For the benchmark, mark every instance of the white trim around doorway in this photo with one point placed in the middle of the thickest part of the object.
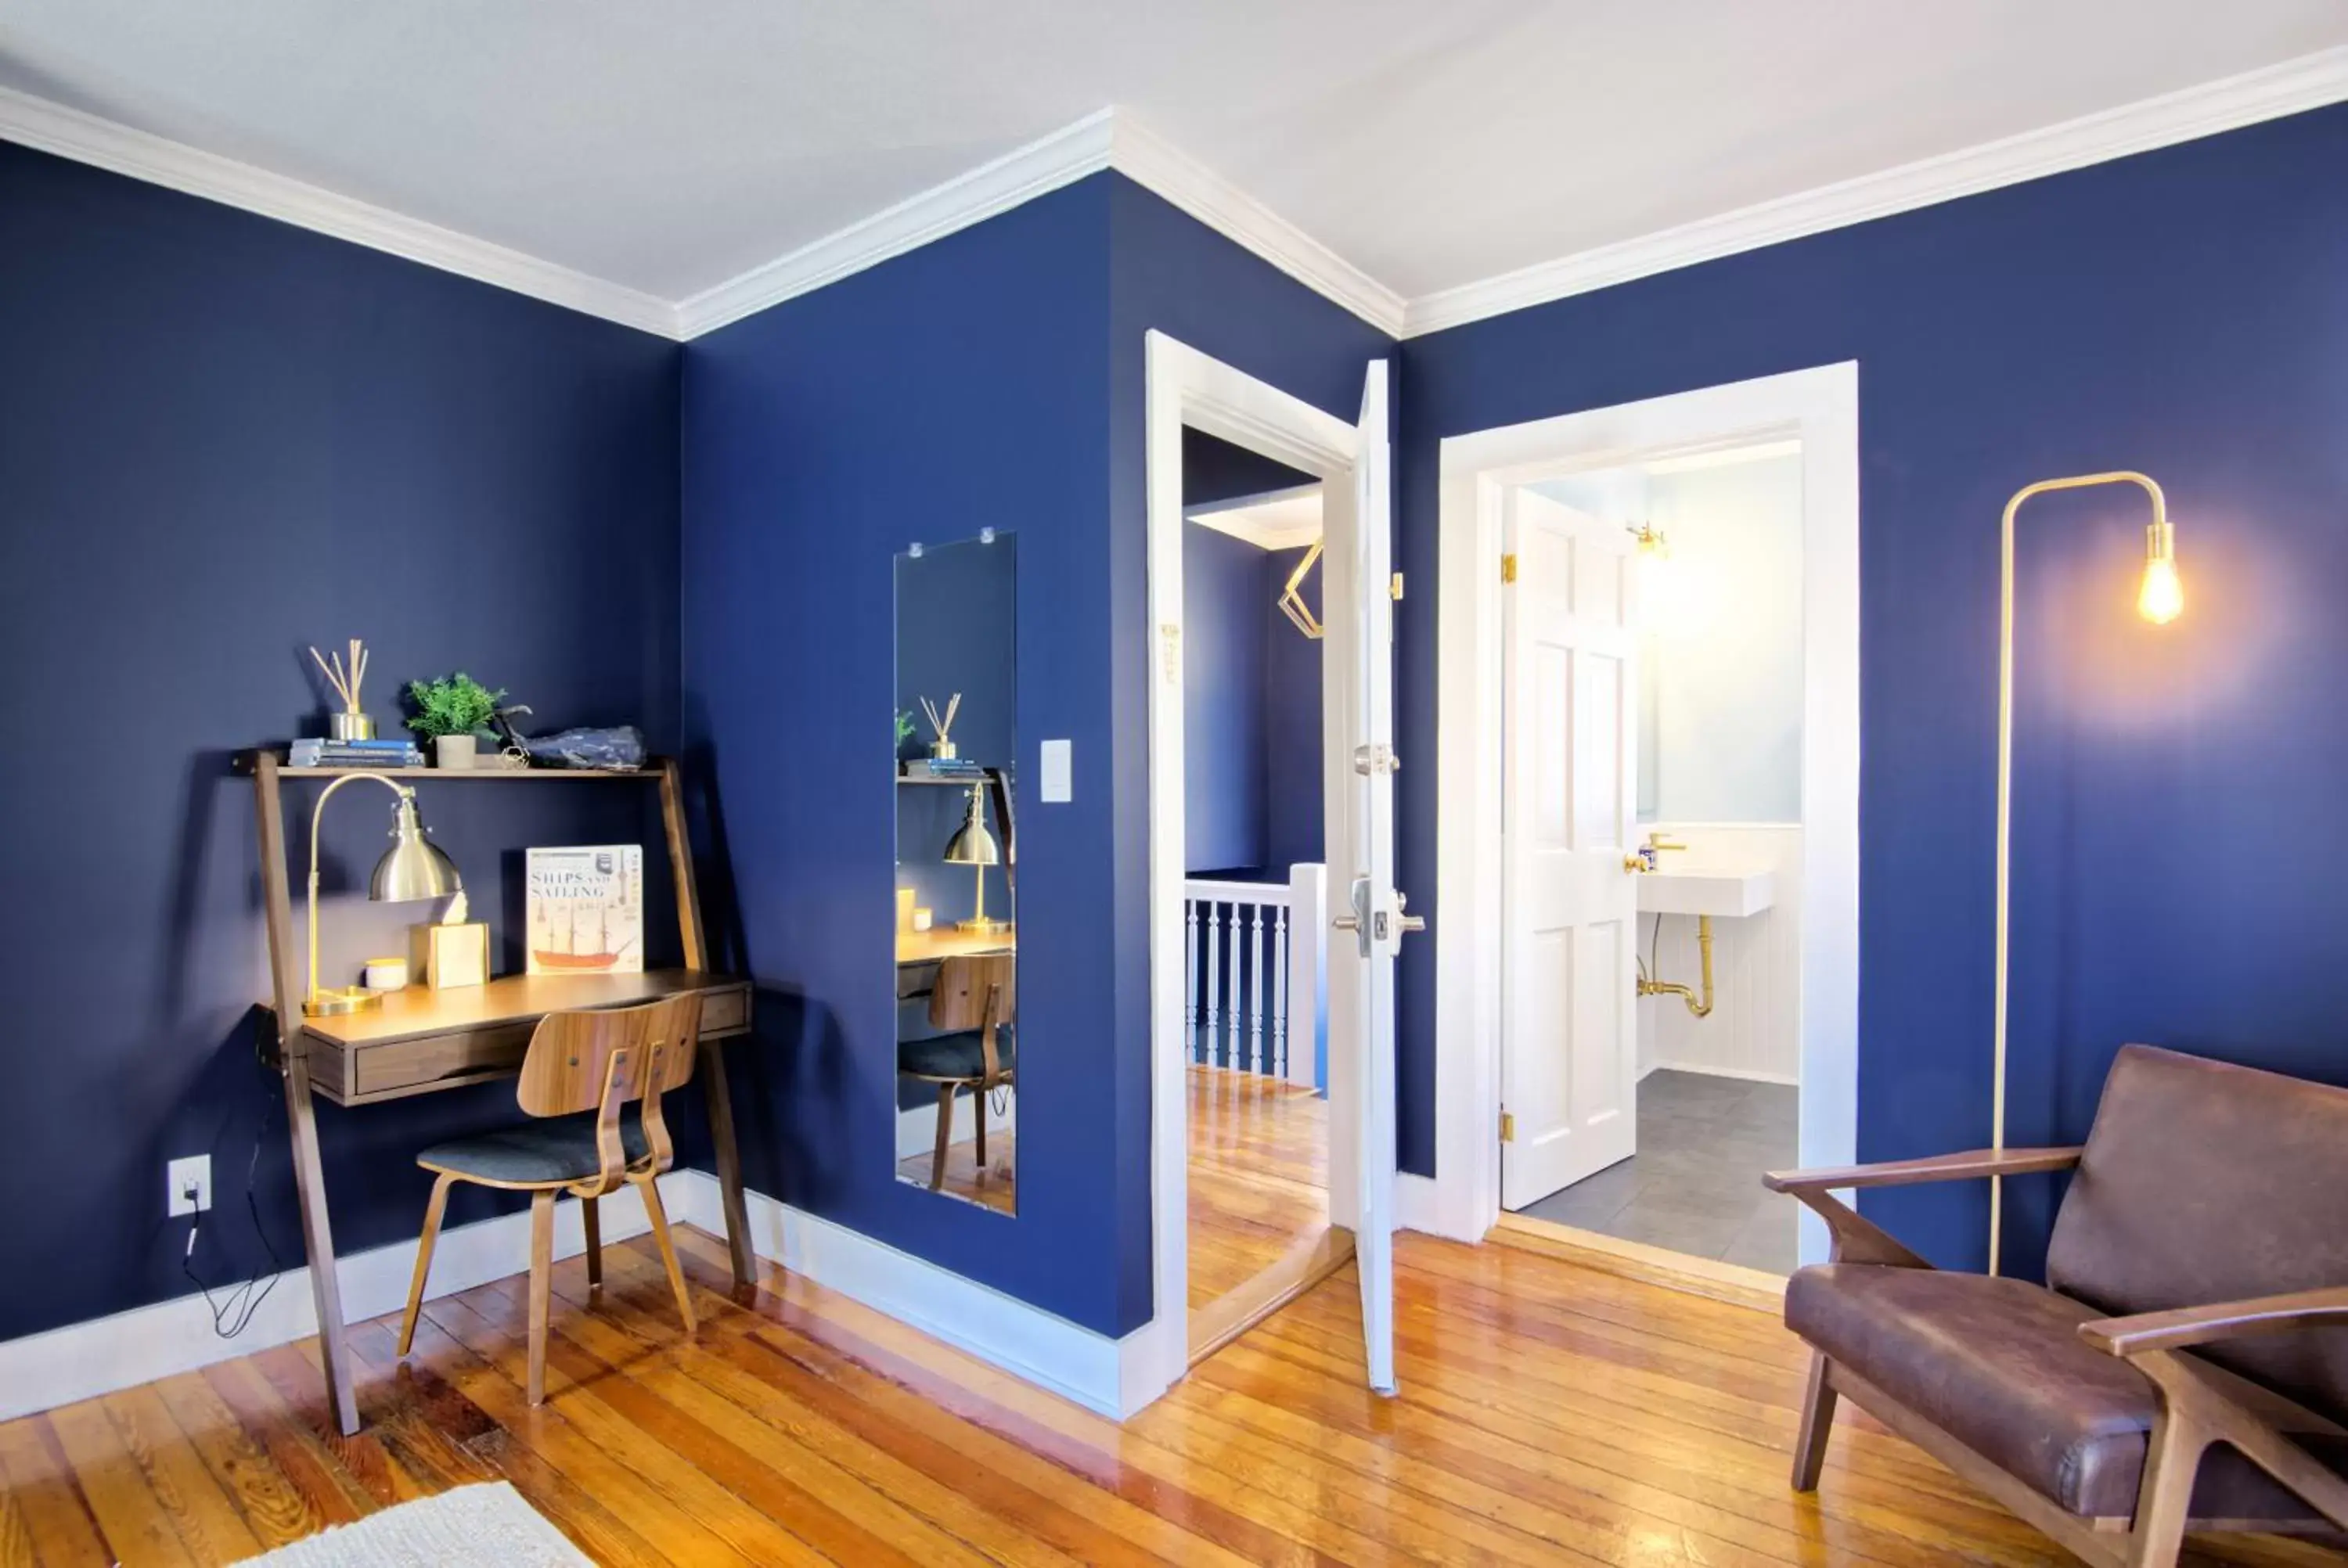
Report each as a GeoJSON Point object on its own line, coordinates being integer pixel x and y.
{"type": "Point", "coordinates": [1187, 387]}
{"type": "Point", "coordinates": [1818, 408]}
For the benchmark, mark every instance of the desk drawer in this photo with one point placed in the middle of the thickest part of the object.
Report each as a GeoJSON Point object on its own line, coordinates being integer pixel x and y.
{"type": "Point", "coordinates": [395, 1065]}
{"type": "Point", "coordinates": [726, 1011]}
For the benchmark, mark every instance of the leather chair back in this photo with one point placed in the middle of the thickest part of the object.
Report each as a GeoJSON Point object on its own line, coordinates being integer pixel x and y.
{"type": "Point", "coordinates": [2204, 1182]}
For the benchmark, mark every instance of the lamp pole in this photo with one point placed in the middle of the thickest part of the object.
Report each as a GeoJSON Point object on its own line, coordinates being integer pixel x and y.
{"type": "Point", "coordinates": [2158, 600]}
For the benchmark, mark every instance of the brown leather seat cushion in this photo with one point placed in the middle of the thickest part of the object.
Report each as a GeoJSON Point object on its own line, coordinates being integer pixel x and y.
{"type": "Point", "coordinates": [1998, 1365]}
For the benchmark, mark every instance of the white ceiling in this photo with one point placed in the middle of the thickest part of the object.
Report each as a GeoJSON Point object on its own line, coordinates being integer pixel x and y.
{"type": "Point", "coordinates": [670, 145]}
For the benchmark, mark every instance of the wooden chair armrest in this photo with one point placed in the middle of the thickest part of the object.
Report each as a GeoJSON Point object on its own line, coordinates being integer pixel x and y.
{"type": "Point", "coordinates": [2187, 1326]}
{"type": "Point", "coordinates": [1972, 1163]}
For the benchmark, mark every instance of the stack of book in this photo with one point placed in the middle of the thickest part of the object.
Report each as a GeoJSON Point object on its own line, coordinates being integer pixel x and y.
{"type": "Point", "coordinates": [945, 768]}
{"type": "Point", "coordinates": [393, 752]}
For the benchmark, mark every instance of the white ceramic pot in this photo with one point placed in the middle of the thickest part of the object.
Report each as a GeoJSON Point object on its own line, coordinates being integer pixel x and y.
{"type": "Point", "coordinates": [453, 751]}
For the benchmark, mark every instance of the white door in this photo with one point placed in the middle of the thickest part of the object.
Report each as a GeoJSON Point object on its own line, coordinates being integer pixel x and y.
{"type": "Point", "coordinates": [1569, 1041]}
{"type": "Point", "coordinates": [1367, 911]}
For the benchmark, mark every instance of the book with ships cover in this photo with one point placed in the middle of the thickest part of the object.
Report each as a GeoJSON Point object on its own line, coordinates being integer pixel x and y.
{"type": "Point", "coordinates": [585, 909]}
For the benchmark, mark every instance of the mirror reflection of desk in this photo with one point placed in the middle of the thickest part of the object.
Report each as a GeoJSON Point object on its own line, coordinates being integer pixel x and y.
{"type": "Point", "coordinates": [917, 953]}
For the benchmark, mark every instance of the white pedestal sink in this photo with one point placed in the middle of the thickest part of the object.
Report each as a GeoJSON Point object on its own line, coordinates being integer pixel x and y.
{"type": "Point", "coordinates": [1722, 890]}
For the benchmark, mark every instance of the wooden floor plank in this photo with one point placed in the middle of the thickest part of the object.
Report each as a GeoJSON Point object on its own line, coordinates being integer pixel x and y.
{"type": "Point", "coordinates": [45, 1519]}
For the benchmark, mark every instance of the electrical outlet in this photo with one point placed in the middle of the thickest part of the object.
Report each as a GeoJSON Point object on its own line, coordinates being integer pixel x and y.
{"type": "Point", "coordinates": [190, 1185]}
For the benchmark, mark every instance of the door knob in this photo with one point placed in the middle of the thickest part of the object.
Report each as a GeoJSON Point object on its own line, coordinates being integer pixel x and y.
{"type": "Point", "coordinates": [1346, 923]}
{"type": "Point", "coordinates": [1413, 923]}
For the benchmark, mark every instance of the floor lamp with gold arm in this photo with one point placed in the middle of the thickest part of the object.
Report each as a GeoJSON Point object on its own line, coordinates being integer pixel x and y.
{"type": "Point", "coordinates": [2159, 600]}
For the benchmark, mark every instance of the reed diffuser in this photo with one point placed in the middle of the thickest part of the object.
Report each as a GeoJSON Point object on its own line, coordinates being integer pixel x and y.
{"type": "Point", "coordinates": [943, 748]}
{"type": "Point", "coordinates": [352, 723]}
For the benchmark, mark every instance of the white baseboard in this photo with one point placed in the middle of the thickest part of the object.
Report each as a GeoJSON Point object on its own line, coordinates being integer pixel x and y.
{"type": "Point", "coordinates": [1026, 1341]}
{"type": "Point", "coordinates": [1745, 1075]}
{"type": "Point", "coordinates": [917, 1125]}
{"type": "Point", "coordinates": [83, 1360]}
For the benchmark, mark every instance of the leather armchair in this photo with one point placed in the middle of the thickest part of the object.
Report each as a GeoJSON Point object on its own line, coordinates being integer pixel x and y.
{"type": "Point", "coordinates": [2185, 1364]}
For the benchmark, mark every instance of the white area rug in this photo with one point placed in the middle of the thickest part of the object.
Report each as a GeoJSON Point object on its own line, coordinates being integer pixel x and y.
{"type": "Point", "coordinates": [488, 1524]}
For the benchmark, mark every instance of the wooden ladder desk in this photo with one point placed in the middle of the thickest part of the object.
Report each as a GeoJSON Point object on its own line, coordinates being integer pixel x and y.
{"type": "Point", "coordinates": [421, 1041]}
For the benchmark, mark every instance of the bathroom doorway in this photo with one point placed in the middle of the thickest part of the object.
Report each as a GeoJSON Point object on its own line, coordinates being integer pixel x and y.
{"type": "Point", "coordinates": [1647, 715]}
{"type": "Point", "coordinates": [1656, 613]}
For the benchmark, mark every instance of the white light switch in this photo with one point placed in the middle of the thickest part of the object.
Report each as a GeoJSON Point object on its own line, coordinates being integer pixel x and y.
{"type": "Point", "coordinates": [1052, 785]}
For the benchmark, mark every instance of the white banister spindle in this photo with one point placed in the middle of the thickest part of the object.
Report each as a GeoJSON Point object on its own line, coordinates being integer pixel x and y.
{"type": "Point", "coordinates": [1214, 987]}
{"type": "Point", "coordinates": [1255, 989]}
{"type": "Point", "coordinates": [1236, 999]}
{"type": "Point", "coordinates": [1279, 944]}
{"type": "Point", "coordinates": [1190, 977]}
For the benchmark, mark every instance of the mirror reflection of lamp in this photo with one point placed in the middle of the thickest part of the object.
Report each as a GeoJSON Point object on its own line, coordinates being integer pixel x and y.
{"type": "Point", "coordinates": [973, 846]}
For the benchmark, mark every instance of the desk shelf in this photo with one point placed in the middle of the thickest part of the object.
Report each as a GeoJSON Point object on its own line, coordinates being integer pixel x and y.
{"type": "Point", "coordinates": [455, 775]}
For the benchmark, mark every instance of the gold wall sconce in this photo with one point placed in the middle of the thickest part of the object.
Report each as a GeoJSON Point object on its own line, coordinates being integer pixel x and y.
{"type": "Point", "coordinates": [2161, 599]}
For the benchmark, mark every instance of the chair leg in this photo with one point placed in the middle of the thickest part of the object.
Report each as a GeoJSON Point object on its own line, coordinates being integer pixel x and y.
{"type": "Point", "coordinates": [2165, 1497]}
{"type": "Point", "coordinates": [590, 1211]}
{"type": "Point", "coordinates": [541, 1287]}
{"type": "Point", "coordinates": [978, 1109]}
{"type": "Point", "coordinates": [433, 1210]}
{"type": "Point", "coordinates": [945, 1136]}
{"type": "Point", "coordinates": [1817, 1421]}
{"type": "Point", "coordinates": [651, 1190]}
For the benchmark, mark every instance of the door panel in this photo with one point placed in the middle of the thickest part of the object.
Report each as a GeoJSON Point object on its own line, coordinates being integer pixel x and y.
{"type": "Point", "coordinates": [1367, 909]}
{"type": "Point", "coordinates": [1569, 1028]}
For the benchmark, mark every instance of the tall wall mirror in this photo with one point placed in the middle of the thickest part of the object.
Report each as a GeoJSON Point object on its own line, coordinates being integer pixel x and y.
{"type": "Point", "coordinates": [957, 851]}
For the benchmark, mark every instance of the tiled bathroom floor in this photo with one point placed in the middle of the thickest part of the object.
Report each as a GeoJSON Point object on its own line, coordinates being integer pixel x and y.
{"type": "Point", "coordinates": [1694, 1186]}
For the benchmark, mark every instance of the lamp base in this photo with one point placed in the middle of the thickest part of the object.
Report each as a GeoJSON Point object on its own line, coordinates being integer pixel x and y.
{"type": "Point", "coordinates": [988, 927]}
{"type": "Point", "coordinates": [345, 999]}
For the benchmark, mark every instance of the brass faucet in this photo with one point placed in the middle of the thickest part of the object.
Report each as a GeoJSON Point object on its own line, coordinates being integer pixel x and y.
{"type": "Point", "coordinates": [1644, 857]}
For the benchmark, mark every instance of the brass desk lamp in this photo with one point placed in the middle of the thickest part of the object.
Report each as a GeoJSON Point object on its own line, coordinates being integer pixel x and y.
{"type": "Point", "coordinates": [412, 868]}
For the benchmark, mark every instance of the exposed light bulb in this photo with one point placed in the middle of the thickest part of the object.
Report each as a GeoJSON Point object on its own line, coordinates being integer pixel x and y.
{"type": "Point", "coordinates": [2162, 598]}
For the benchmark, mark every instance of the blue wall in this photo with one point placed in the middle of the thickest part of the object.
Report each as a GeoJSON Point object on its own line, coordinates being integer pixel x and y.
{"type": "Point", "coordinates": [2178, 800]}
{"type": "Point", "coordinates": [222, 438]}
{"type": "Point", "coordinates": [1224, 647]}
{"type": "Point", "coordinates": [951, 388]}
{"type": "Point", "coordinates": [1293, 787]}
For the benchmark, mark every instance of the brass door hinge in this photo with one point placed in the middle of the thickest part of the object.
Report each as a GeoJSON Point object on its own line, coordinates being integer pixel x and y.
{"type": "Point", "coordinates": [1508, 1128]}
{"type": "Point", "coordinates": [1509, 568]}
{"type": "Point", "coordinates": [1395, 587]}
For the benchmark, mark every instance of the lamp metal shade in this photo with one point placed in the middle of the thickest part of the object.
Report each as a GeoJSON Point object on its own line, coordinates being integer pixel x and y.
{"type": "Point", "coordinates": [972, 843]}
{"type": "Point", "coordinates": [413, 868]}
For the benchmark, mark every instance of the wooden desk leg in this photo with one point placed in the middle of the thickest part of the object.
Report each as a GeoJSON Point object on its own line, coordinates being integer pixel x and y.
{"type": "Point", "coordinates": [318, 1242]}
{"type": "Point", "coordinates": [729, 1161]}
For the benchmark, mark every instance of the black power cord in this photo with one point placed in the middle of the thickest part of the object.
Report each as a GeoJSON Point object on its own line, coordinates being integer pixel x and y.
{"type": "Point", "coordinates": [234, 1313]}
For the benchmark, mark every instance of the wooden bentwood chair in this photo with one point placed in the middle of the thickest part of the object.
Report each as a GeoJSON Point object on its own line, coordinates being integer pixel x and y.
{"type": "Point", "coordinates": [973, 1005]}
{"type": "Point", "coordinates": [594, 1079]}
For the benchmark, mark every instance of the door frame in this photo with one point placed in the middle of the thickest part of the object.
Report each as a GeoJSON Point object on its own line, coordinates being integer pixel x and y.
{"type": "Point", "coordinates": [1820, 407]}
{"type": "Point", "coordinates": [1187, 387]}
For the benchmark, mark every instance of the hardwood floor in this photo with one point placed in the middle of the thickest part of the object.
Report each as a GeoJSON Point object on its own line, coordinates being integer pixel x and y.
{"type": "Point", "coordinates": [1258, 1177]}
{"type": "Point", "coordinates": [1548, 1414]}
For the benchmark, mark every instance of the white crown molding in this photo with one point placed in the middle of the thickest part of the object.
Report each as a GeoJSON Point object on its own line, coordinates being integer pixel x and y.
{"type": "Point", "coordinates": [2309, 82]}
{"type": "Point", "coordinates": [1114, 139]}
{"type": "Point", "coordinates": [1063, 158]}
{"type": "Point", "coordinates": [1106, 138]}
{"type": "Point", "coordinates": [1149, 161]}
{"type": "Point", "coordinates": [52, 127]}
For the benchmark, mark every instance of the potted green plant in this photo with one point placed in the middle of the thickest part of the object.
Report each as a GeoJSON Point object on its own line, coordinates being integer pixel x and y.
{"type": "Point", "coordinates": [449, 712]}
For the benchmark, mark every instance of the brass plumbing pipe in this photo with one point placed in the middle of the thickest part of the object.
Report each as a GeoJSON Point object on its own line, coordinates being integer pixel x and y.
{"type": "Point", "coordinates": [1651, 988]}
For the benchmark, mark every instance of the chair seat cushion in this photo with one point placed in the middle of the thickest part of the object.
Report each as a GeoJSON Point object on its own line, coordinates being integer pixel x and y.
{"type": "Point", "coordinates": [1998, 1365]}
{"type": "Point", "coordinates": [539, 1153]}
{"type": "Point", "coordinates": [955, 1055]}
